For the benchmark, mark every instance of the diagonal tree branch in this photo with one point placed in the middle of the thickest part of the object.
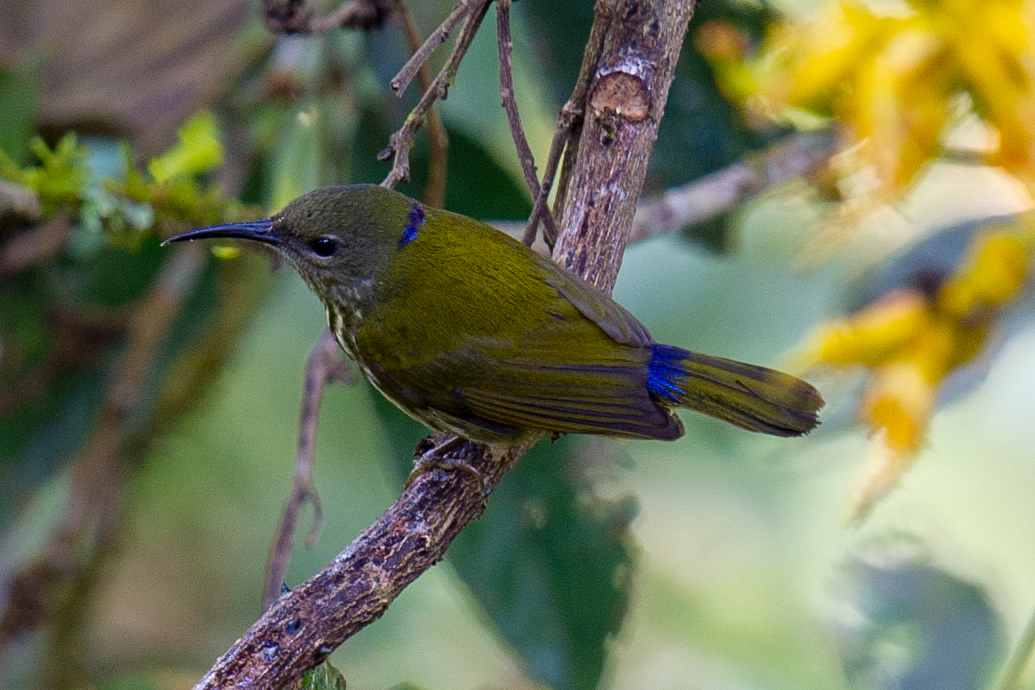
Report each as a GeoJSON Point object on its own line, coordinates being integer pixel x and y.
{"type": "Point", "coordinates": [421, 54]}
{"type": "Point", "coordinates": [438, 141]}
{"type": "Point", "coordinates": [302, 627]}
{"type": "Point", "coordinates": [711, 195]}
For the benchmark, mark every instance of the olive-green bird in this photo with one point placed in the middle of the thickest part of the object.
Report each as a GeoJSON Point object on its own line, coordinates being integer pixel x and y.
{"type": "Point", "coordinates": [470, 331]}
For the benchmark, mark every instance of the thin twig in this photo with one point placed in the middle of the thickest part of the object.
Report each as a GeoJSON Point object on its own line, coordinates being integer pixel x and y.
{"type": "Point", "coordinates": [399, 144]}
{"type": "Point", "coordinates": [569, 124]}
{"type": "Point", "coordinates": [524, 152]}
{"type": "Point", "coordinates": [420, 55]}
{"type": "Point", "coordinates": [438, 140]}
{"type": "Point", "coordinates": [568, 164]}
{"type": "Point", "coordinates": [324, 365]}
{"type": "Point", "coordinates": [540, 209]}
{"type": "Point", "coordinates": [506, 49]}
{"type": "Point", "coordinates": [709, 196]}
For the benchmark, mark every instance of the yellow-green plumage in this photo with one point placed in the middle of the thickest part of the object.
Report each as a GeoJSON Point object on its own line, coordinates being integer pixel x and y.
{"type": "Point", "coordinates": [469, 331]}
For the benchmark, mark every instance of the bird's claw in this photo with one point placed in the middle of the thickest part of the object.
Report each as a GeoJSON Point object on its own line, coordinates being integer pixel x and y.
{"type": "Point", "coordinates": [436, 458]}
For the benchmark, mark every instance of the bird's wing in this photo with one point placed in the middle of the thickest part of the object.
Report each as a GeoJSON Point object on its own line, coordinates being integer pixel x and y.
{"type": "Point", "coordinates": [599, 308]}
{"type": "Point", "coordinates": [561, 373]}
{"type": "Point", "coordinates": [607, 397]}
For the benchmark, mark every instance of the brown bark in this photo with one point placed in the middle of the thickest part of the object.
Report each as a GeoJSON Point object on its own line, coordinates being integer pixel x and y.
{"type": "Point", "coordinates": [626, 101]}
{"type": "Point", "coordinates": [627, 97]}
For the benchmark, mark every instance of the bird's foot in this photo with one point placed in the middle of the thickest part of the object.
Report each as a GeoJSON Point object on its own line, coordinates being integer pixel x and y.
{"type": "Point", "coordinates": [436, 458]}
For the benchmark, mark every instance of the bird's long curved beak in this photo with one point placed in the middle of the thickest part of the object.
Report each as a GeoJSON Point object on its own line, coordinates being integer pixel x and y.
{"type": "Point", "coordinates": [255, 230]}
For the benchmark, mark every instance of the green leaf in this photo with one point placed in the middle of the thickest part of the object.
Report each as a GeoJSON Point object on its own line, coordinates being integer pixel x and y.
{"type": "Point", "coordinates": [197, 150]}
{"type": "Point", "coordinates": [918, 627]}
{"type": "Point", "coordinates": [473, 106]}
{"type": "Point", "coordinates": [559, 32]}
{"type": "Point", "coordinates": [477, 185]}
{"type": "Point", "coordinates": [60, 176]}
{"type": "Point", "coordinates": [550, 566]}
{"type": "Point", "coordinates": [323, 677]}
{"type": "Point", "coordinates": [702, 131]}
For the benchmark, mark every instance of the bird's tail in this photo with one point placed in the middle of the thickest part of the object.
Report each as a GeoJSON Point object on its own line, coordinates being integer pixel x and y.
{"type": "Point", "coordinates": [754, 398]}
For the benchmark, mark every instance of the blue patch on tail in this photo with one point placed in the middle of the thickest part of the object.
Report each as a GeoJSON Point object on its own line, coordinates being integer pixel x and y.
{"type": "Point", "coordinates": [665, 373]}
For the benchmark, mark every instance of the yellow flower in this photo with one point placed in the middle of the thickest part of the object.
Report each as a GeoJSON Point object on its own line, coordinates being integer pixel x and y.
{"type": "Point", "coordinates": [873, 335]}
{"type": "Point", "coordinates": [994, 271]}
{"type": "Point", "coordinates": [892, 79]}
{"type": "Point", "coordinates": [912, 342]}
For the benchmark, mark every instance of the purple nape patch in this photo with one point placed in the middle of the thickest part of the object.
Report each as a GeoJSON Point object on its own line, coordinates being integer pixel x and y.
{"type": "Point", "coordinates": [415, 219]}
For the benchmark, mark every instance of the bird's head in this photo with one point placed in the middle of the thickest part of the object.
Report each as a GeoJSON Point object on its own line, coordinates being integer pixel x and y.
{"type": "Point", "coordinates": [340, 239]}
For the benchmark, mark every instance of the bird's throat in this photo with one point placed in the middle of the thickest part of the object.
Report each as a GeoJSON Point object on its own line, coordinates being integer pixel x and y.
{"type": "Point", "coordinates": [343, 324]}
{"type": "Point", "coordinates": [346, 304]}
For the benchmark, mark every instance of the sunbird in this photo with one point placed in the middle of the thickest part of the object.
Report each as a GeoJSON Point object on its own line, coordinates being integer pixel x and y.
{"type": "Point", "coordinates": [471, 332]}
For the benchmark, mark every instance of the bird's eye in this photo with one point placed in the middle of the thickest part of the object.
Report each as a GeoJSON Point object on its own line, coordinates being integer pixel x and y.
{"type": "Point", "coordinates": [324, 246]}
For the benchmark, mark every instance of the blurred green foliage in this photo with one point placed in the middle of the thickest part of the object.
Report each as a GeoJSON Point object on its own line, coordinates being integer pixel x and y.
{"type": "Point", "coordinates": [19, 102]}
{"type": "Point", "coordinates": [59, 176]}
{"type": "Point", "coordinates": [66, 311]}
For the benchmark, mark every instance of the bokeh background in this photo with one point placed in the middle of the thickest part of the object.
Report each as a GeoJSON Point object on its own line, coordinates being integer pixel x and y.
{"type": "Point", "coordinates": [722, 560]}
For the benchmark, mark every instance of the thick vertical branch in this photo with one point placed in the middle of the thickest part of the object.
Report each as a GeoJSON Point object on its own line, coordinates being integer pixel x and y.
{"type": "Point", "coordinates": [626, 101]}
{"type": "Point", "coordinates": [628, 94]}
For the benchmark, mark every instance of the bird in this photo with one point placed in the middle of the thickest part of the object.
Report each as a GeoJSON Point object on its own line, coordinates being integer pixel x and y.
{"type": "Point", "coordinates": [471, 332]}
